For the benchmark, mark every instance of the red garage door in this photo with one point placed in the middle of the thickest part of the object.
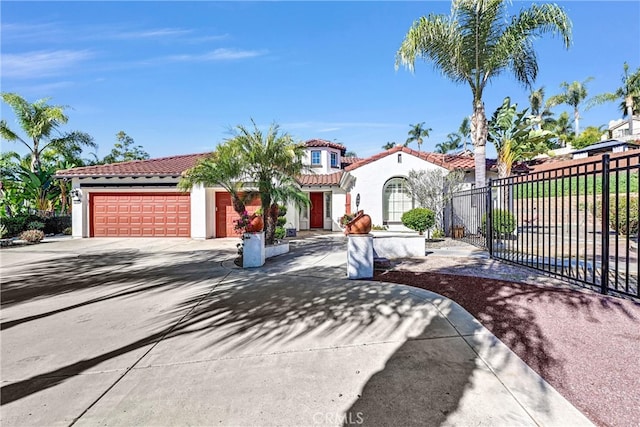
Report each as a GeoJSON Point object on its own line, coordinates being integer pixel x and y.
{"type": "Point", "coordinates": [225, 215]}
{"type": "Point", "coordinates": [140, 214]}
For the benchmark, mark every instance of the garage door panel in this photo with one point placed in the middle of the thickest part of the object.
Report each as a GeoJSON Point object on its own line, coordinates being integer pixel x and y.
{"type": "Point", "coordinates": [226, 215]}
{"type": "Point", "coordinates": [140, 215]}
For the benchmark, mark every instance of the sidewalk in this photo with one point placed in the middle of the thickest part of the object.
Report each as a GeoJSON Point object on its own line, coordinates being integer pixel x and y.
{"type": "Point", "coordinates": [176, 334]}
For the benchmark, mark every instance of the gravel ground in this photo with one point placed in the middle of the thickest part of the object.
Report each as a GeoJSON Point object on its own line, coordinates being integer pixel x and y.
{"type": "Point", "coordinates": [584, 344]}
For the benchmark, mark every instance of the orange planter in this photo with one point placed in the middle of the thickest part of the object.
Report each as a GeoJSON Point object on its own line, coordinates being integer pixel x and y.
{"type": "Point", "coordinates": [255, 225]}
{"type": "Point", "coordinates": [361, 224]}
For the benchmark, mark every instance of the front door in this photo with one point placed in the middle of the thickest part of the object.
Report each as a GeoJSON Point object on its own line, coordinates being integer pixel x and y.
{"type": "Point", "coordinates": [317, 214]}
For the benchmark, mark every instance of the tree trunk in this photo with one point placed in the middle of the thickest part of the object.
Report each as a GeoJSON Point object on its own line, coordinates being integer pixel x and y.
{"type": "Point", "coordinates": [629, 102]}
{"type": "Point", "coordinates": [270, 224]}
{"type": "Point", "coordinates": [479, 132]}
{"type": "Point", "coordinates": [576, 118]}
{"type": "Point", "coordinates": [35, 157]}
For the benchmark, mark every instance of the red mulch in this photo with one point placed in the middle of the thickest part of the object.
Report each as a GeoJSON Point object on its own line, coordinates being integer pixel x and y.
{"type": "Point", "coordinates": [584, 344]}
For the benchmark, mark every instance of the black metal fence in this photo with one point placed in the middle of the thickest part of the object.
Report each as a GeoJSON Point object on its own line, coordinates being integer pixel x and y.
{"type": "Point", "coordinates": [579, 222]}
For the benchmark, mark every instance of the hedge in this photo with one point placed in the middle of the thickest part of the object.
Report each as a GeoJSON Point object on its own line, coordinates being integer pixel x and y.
{"type": "Point", "coordinates": [52, 225]}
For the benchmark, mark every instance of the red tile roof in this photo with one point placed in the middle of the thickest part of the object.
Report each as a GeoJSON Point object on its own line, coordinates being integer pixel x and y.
{"type": "Point", "coordinates": [448, 161]}
{"type": "Point", "coordinates": [323, 143]}
{"type": "Point", "coordinates": [350, 160]}
{"type": "Point", "coordinates": [164, 166]}
{"type": "Point", "coordinates": [320, 179]}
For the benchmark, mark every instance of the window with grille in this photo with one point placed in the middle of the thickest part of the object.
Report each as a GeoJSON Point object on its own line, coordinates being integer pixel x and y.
{"type": "Point", "coordinates": [334, 160]}
{"type": "Point", "coordinates": [316, 160]}
{"type": "Point", "coordinates": [396, 199]}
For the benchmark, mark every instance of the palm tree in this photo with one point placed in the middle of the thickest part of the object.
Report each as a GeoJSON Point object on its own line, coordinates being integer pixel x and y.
{"type": "Point", "coordinates": [416, 133]}
{"type": "Point", "coordinates": [224, 167]}
{"type": "Point", "coordinates": [465, 132]}
{"type": "Point", "coordinates": [453, 142]}
{"type": "Point", "coordinates": [40, 121]}
{"type": "Point", "coordinates": [271, 161]}
{"type": "Point", "coordinates": [629, 93]}
{"type": "Point", "coordinates": [477, 42]}
{"type": "Point", "coordinates": [573, 95]}
{"type": "Point", "coordinates": [539, 107]}
{"type": "Point", "coordinates": [388, 145]}
{"type": "Point", "coordinates": [561, 128]}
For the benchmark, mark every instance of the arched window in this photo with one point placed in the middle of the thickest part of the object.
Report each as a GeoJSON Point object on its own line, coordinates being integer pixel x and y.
{"type": "Point", "coordinates": [396, 200]}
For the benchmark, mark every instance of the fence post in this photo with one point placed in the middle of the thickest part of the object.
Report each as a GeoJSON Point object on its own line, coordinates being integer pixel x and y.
{"type": "Point", "coordinates": [606, 212]}
{"type": "Point", "coordinates": [489, 210]}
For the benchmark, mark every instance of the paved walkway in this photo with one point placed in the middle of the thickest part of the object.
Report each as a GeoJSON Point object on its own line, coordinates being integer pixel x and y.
{"type": "Point", "coordinates": [171, 332]}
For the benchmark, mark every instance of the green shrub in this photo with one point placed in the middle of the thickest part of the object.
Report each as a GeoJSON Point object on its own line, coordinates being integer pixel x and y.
{"type": "Point", "coordinates": [67, 231]}
{"type": "Point", "coordinates": [379, 227]}
{"type": "Point", "coordinates": [32, 236]}
{"type": "Point", "coordinates": [503, 222]}
{"type": "Point", "coordinates": [17, 224]}
{"type": "Point", "coordinates": [618, 216]}
{"type": "Point", "coordinates": [35, 225]}
{"type": "Point", "coordinates": [437, 234]}
{"type": "Point", "coordinates": [280, 232]}
{"type": "Point", "coordinates": [56, 224]}
{"type": "Point", "coordinates": [419, 219]}
{"type": "Point", "coordinates": [3, 230]}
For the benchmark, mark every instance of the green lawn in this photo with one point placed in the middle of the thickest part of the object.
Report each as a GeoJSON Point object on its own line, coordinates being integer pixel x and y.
{"type": "Point", "coordinates": [578, 185]}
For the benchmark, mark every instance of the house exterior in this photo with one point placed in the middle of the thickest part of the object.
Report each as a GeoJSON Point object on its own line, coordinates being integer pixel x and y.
{"type": "Point", "coordinates": [141, 198]}
{"type": "Point", "coordinates": [619, 129]}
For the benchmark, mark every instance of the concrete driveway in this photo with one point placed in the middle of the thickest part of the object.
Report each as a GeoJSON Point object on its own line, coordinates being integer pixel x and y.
{"type": "Point", "coordinates": [171, 332]}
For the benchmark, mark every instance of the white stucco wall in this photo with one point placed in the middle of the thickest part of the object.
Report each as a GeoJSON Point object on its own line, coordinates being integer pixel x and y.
{"type": "Point", "coordinates": [79, 217]}
{"type": "Point", "coordinates": [202, 212]}
{"type": "Point", "coordinates": [370, 180]}
{"type": "Point", "coordinates": [338, 199]}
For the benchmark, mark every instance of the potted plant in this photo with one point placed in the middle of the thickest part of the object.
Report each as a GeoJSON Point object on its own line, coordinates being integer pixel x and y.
{"type": "Point", "coordinates": [345, 219]}
{"type": "Point", "coordinates": [360, 223]}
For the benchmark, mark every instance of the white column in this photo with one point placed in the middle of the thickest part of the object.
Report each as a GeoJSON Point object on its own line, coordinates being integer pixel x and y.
{"type": "Point", "coordinates": [253, 252]}
{"type": "Point", "coordinates": [198, 212]}
{"type": "Point", "coordinates": [360, 256]}
{"type": "Point", "coordinates": [79, 215]}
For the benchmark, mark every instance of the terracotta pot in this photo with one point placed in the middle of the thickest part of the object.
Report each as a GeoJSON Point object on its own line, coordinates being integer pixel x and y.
{"type": "Point", "coordinates": [256, 224]}
{"type": "Point", "coordinates": [360, 224]}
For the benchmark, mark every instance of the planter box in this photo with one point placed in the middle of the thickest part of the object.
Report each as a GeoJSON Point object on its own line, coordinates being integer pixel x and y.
{"type": "Point", "coordinates": [253, 253]}
{"type": "Point", "coordinates": [360, 256]}
{"type": "Point", "coordinates": [398, 245]}
{"type": "Point", "coordinates": [277, 249]}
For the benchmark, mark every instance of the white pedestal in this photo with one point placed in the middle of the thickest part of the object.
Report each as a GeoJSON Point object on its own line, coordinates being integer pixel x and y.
{"type": "Point", "coordinates": [360, 256]}
{"type": "Point", "coordinates": [253, 253]}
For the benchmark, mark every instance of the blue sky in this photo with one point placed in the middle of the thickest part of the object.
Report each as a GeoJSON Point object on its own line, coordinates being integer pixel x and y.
{"type": "Point", "coordinates": [177, 76]}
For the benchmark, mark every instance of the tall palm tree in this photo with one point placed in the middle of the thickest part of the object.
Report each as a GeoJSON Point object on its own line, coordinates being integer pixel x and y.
{"type": "Point", "coordinates": [628, 92]}
{"type": "Point", "coordinates": [477, 42]}
{"type": "Point", "coordinates": [416, 133]}
{"type": "Point", "coordinates": [574, 95]}
{"type": "Point", "coordinates": [40, 122]}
